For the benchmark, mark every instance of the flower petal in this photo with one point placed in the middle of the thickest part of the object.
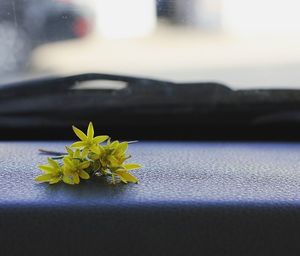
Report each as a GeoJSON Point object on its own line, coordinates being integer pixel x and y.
{"type": "Point", "coordinates": [114, 144]}
{"type": "Point", "coordinates": [131, 166]}
{"type": "Point", "coordinates": [84, 165]}
{"type": "Point", "coordinates": [44, 178]}
{"type": "Point", "coordinates": [70, 151]}
{"type": "Point", "coordinates": [84, 175]}
{"type": "Point", "coordinates": [79, 133]}
{"type": "Point", "coordinates": [122, 147]}
{"type": "Point", "coordinates": [55, 180]}
{"type": "Point", "coordinates": [127, 176]}
{"type": "Point", "coordinates": [85, 153]}
{"type": "Point", "coordinates": [76, 178]}
{"type": "Point", "coordinates": [113, 161]}
{"type": "Point", "coordinates": [78, 144]}
{"type": "Point", "coordinates": [68, 163]}
{"type": "Point", "coordinates": [53, 163]}
{"type": "Point", "coordinates": [68, 171]}
{"type": "Point", "coordinates": [122, 179]}
{"type": "Point", "coordinates": [76, 154]}
{"type": "Point", "coordinates": [46, 168]}
{"type": "Point", "coordinates": [90, 131]}
{"type": "Point", "coordinates": [100, 139]}
{"type": "Point", "coordinates": [95, 149]}
{"type": "Point", "coordinates": [68, 180]}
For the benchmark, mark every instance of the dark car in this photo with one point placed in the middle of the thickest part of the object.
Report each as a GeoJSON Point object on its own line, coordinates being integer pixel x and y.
{"type": "Point", "coordinates": [164, 8]}
{"type": "Point", "coordinates": [42, 21]}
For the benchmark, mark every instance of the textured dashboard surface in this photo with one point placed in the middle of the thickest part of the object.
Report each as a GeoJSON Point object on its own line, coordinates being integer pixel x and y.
{"type": "Point", "coordinates": [218, 198]}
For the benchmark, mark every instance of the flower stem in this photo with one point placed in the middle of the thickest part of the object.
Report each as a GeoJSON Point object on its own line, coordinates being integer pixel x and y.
{"type": "Point", "coordinates": [52, 153]}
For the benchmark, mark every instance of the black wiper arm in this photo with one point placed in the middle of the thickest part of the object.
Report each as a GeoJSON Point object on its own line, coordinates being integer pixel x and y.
{"type": "Point", "coordinates": [135, 86]}
{"type": "Point", "coordinates": [64, 83]}
{"type": "Point", "coordinates": [146, 108]}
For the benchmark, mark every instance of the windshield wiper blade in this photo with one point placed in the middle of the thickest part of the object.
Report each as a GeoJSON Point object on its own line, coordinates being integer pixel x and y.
{"type": "Point", "coordinates": [145, 108]}
{"type": "Point", "coordinates": [135, 88]}
{"type": "Point", "coordinates": [64, 83]}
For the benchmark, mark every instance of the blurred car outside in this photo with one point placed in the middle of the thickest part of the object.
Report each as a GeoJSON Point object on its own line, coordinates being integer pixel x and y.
{"type": "Point", "coordinates": [25, 25]}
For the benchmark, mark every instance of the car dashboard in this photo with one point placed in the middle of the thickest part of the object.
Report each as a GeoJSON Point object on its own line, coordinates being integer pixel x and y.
{"type": "Point", "coordinates": [193, 198]}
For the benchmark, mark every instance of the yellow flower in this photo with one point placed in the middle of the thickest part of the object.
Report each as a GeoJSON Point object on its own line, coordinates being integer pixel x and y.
{"type": "Point", "coordinates": [52, 172]}
{"type": "Point", "coordinates": [112, 154]}
{"type": "Point", "coordinates": [88, 141]}
{"type": "Point", "coordinates": [77, 153]}
{"type": "Point", "coordinates": [124, 175]}
{"type": "Point", "coordinates": [90, 157]}
{"type": "Point", "coordinates": [118, 153]}
{"type": "Point", "coordinates": [75, 169]}
{"type": "Point", "coordinates": [111, 158]}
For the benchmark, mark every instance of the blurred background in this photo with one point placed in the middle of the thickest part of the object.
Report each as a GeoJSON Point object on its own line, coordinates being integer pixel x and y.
{"type": "Point", "coordinates": [244, 44]}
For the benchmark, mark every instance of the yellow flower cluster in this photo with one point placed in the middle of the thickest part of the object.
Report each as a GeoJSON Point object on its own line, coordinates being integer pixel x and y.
{"type": "Point", "coordinates": [88, 158]}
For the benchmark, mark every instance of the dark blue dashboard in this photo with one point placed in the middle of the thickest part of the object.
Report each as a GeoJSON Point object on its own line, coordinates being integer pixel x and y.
{"type": "Point", "coordinates": [194, 198]}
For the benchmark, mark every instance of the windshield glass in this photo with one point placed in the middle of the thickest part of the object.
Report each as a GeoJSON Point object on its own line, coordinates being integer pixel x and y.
{"type": "Point", "coordinates": [243, 44]}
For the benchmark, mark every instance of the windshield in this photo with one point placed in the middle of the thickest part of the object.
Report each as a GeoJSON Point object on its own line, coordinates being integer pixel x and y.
{"type": "Point", "coordinates": [243, 44]}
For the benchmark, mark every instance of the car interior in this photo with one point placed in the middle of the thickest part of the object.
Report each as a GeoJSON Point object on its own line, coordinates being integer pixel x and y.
{"type": "Point", "coordinates": [149, 127]}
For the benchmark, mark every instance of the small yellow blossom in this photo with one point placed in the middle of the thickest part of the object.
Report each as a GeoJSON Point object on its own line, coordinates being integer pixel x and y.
{"type": "Point", "coordinates": [112, 154]}
{"type": "Point", "coordinates": [111, 159]}
{"type": "Point", "coordinates": [75, 169]}
{"type": "Point", "coordinates": [89, 158]}
{"type": "Point", "coordinates": [78, 154]}
{"type": "Point", "coordinates": [88, 140]}
{"type": "Point", "coordinates": [52, 172]}
{"type": "Point", "coordinates": [124, 175]}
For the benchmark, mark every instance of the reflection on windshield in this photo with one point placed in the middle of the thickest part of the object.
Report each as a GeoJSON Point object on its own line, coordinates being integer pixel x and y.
{"type": "Point", "coordinates": [244, 44]}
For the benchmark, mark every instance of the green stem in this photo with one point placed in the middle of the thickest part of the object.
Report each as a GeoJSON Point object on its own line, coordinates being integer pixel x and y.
{"type": "Point", "coordinates": [52, 153]}
{"type": "Point", "coordinates": [113, 179]}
